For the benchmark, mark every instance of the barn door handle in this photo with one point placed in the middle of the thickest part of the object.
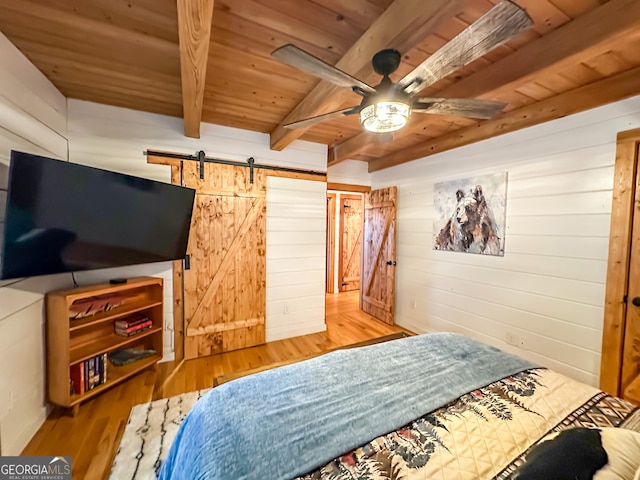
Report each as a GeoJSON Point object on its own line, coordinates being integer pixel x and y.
{"type": "Point", "coordinates": [389, 262]}
{"type": "Point", "coordinates": [636, 301]}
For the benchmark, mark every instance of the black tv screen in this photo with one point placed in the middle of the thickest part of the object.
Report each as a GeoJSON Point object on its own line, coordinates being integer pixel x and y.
{"type": "Point", "coordinates": [65, 217]}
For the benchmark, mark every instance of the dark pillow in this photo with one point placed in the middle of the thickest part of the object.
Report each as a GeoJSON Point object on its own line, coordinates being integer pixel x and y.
{"type": "Point", "coordinates": [574, 454]}
{"type": "Point", "coordinates": [578, 453]}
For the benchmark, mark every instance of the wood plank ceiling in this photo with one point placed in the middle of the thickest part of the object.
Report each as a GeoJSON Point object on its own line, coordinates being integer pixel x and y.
{"type": "Point", "coordinates": [579, 54]}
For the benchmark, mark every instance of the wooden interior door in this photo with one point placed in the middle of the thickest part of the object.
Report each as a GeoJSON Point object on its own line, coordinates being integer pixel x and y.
{"type": "Point", "coordinates": [379, 254]}
{"type": "Point", "coordinates": [631, 346]}
{"type": "Point", "coordinates": [350, 242]}
{"type": "Point", "coordinates": [620, 360]}
{"type": "Point", "coordinates": [630, 368]}
{"type": "Point", "coordinates": [224, 286]}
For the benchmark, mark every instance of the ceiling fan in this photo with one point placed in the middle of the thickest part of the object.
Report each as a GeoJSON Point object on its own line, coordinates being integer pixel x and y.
{"type": "Point", "coordinates": [387, 106]}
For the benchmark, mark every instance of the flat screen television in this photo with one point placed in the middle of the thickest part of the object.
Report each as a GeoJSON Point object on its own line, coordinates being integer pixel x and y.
{"type": "Point", "coordinates": [65, 217]}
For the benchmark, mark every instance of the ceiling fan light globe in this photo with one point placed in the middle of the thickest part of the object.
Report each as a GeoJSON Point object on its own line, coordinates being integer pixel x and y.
{"type": "Point", "coordinates": [385, 116]}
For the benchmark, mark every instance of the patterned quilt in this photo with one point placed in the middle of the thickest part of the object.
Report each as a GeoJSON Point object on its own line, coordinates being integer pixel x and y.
{"type": "Point", "coordinates": [484, 433]}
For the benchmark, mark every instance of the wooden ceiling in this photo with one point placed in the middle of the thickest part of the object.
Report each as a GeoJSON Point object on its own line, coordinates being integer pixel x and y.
{"type": "Point", "coordinates": [187, 59]}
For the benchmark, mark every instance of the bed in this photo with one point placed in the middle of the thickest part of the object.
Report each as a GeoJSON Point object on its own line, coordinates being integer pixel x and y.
{"type": "Point", "coordinates": [437, 406]}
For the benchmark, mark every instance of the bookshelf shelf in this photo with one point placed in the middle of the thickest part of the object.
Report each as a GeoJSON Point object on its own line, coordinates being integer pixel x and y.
{"type": "Point", "coordinates": [116, 375]}
{"type": "Point", "coordinates": [73, 342]}
{"type": "Point", "coordinates": [106, 344]}
{"type": "Point", "coordinates": [115, 314]}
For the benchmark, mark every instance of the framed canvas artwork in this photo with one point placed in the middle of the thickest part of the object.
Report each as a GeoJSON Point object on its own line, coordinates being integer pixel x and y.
{"type": "Point", "coordinates": [470, 214]}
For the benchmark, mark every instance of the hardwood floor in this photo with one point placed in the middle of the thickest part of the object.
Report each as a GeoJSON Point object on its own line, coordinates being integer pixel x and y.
{"type": "Point", "coordinates": [93, 436]}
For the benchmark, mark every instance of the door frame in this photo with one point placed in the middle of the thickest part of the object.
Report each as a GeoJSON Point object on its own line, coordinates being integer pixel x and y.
{"type": "Point", "coordinates": [346, 188]}
{"type": "Point", "coordinates": [615, 305]}
{"type": "Point", "coordinates": [331, 242]}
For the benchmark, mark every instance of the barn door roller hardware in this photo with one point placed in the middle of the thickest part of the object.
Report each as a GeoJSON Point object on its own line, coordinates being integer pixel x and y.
{"type": "Point", "coordinates": [201, 160]}
{"type": "Point", "coordinates": [250, 163]}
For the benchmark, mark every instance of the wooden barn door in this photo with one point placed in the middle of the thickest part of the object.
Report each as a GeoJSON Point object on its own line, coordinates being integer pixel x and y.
{"type": "Point", "coordinates": [379, 255]}
{"type": "Point", "coordinates": [350, 242]}
{"type": "Point", "coordinates": [224, 286]}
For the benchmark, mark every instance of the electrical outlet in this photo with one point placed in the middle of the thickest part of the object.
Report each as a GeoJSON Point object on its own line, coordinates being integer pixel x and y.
{"type": "Point", "coordinates": [285, 309]}
{"type": "Point", "coordinates": [522, 343]}
{"type": "Point", "coordinates": [516, 340]}
{"type": "Point", "coordinates": [412, 304]}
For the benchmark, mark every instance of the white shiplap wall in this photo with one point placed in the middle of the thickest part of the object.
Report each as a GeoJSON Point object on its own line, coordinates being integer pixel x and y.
{"type": "Point", "coordinates": [33, 119]}
{"type": "Point", "coordinates": [353, 172]}
{"type": "Point", "coordinates": [114, 139]}
{"type": "Point", "coordinates": [548, 289]}
{"type": "Point", "coordinates": [296, 242]}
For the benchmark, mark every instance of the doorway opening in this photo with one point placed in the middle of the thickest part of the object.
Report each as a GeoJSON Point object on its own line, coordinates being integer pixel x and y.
{"type": "Point", "coordinates": [361, 248]}
{"type": "Point", "coordinates": [344, 241]}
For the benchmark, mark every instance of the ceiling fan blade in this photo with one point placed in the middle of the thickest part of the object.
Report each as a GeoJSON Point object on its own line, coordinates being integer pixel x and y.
{"type": "Point", "coordinates": [297, 58]}
{"type": "Point", "coordinates": [494, 28]}
{"type": "Point", "coordinates": [307, 122]}
{"type": "Point", "coordinates": [464, 107]}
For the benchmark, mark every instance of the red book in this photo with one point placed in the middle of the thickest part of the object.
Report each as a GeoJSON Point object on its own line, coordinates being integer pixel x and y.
{"type": "Point", "coordinates": [127, 332]}
{"type": "Point", "coordinates": [75, 374]}
{"type": "Point", "coordinates": [131, 321]}
{"type": "Point", "coordinates": [134, 328]}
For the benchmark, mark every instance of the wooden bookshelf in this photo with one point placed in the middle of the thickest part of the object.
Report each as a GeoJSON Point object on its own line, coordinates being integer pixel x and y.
{"type": "Point", "coordinates": [72, 341]}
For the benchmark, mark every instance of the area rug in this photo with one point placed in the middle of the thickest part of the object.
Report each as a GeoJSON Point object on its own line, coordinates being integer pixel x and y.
{"type": "Point", "coordinates": [149, 434]}
{"type": "Point", "coordinates": [152, 427]}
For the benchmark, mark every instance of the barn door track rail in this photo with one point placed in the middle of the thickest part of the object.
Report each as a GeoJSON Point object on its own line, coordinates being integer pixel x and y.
{"type": "Point", "coordinates": [251, 164]}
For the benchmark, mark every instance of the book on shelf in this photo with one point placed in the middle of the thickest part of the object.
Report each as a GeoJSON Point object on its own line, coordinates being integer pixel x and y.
{"type": "Point", "coordinates": [94, 377]}
{"type": "Point", "coordinates": [128, 332]}
{"type": "Point", "coordinates": [90, 306]}
{"type": "Point", "coordinates": [77, 379]}
{"type": "Point", "coordinates": [87, 375]}
{"type": "Point", "coordinates": [131, 321]}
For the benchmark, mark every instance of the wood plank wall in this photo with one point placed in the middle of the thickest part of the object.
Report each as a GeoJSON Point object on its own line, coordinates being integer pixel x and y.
{"type": "Point", "coordinates": [549, 287]}
{"type": "Point", "coordinates": [33, 119]}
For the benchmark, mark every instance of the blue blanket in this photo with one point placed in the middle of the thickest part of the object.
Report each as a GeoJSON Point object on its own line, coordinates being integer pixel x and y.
{"type": "Point", "coordinates": [285, 422]}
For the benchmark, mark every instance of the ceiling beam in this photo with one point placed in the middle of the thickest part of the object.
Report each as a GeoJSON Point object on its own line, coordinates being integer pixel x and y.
{"type": "Point", "coordinates": [401, 26]}
{"type": "Point", "coordinates": [612, 89]}
{"type": "Point", "coordinates": [194, 33]}
{"type": "Point", "coordinates": [588, 36]}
